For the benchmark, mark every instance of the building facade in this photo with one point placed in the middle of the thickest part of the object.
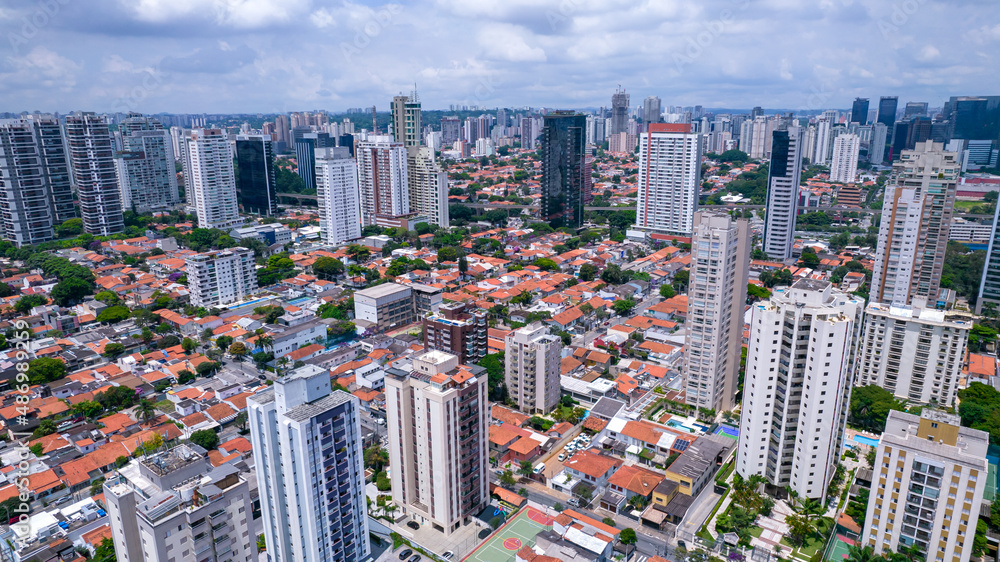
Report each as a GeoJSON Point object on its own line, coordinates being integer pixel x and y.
{"type": "Point", "coordinates": [564, 171]}
{"type": "Point", "coordinates": [221, 277]}
{"type": "Point", "coordinates": [337, 190]}
{"type": "Point", "coordinates": [209, 178]}
{"type": "Point", "coordinates": [458, 330]}
{"type": "Point", "coordinates": [428, 185]}
{"type": "Point", "coordinates": [145, 165]}
{"type": "Point", "coordinates": [255, 185]}
{"type": "Point", "coordinates": [386, 305]}
{"type": "Point", "coordinates": [669, 178]}
{"type": "Point", "coordinates": [531, 357]}
{"type": "Point", "coordinates": [783, 179]}
{"type": "Point", "coordinates": [383, 178]}
{"type": "Point", "coordinates": [92, 169]}
{"type": "Point", "coordinates": [619, 112]}
{"type": "Point", "coordinates": [844, 166]}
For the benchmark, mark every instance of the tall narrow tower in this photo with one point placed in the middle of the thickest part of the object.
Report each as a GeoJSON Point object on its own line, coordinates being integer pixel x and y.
{"type": "Point", "coordinates": [619, 112]}
{"type": "Point", "coordinates": [92, 165]}
{"type": "Point", "coordinates": [783, 192]}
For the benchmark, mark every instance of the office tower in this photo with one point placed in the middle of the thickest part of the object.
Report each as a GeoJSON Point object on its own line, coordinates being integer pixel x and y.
{"type": "Point", "coordinates": [337, 190]}
{"type": "Point", "coordinates": [383, 178]}
{"type": "Point", "coordinates": [859, 111]}
{"type": "Point", "coordinates": [309, 456]}
{"type": "Point", "coordinates": [973, 117]}
{"type": "Point", "coordinates": [887, 106]}
{"type": "Point", "coordinates": [717, 293]}
{"type": "Point", "coordinates": [174, 505]}
{"type": "Point", "coordinates": [929, 479]}
{"type": "Point", "coordinates": [404, 120]}
{"type": "Point", "coordinates": [619, 112]}
{"type": "Point", "coordinates": [796, 390]}
{"type": "Point", "coordinates": [221, 277]}
{"type": "Point", "coordinates": [844, 166]}
{"type": "Point", "coordinates": [209, 178]}
{"type": "Point", "coordinates": [651, 110]}
{"type": "Point", "coordinates": [346, 140]}
{"type": "Point", "coordinates": [783, 193]}
{"type": "Point", "coordinates": [531, 356]}
{"type": "Point", "coordinates": [255, 186]}
{"type": "Point", "coordinates": [145, 165]}
{"type": "Point", "coordinates": [459, 329]}
{"type": "Point", "coordinates": [564, 173]}
{"type": "Point", "coordinates": [916, 219]}
{"type": "Point", "coordinates": [756, 112]}
{"type": "Point", "coordinates": [915, 109]}
{"type": "Point", "coordinates": [306, 143]}
{"type": "Point", "coordinates": [669, 178]}
{"type": "Point", "coordinates": [438, 421]}
{"type": "Point", "coordinates": [915, 352]}
{"type": "Point", "coordinates": [36, 194]}
{"type": "Point", "coordinates": [989, 284]}
{"type": "Point", "coordinates": [823, 142]}
{"type": "Point", "coordinates": [92, 169]}
{"type": "Point", "coordinates": [428, 185]}
{"type": "Point", "coordinates": [758, 142]}
{"type": "Point", "coordinates": [876, 150]}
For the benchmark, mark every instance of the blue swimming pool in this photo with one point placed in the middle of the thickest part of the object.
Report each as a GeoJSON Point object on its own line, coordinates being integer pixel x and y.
{"type": "Point", "coordinates": [863, 440]}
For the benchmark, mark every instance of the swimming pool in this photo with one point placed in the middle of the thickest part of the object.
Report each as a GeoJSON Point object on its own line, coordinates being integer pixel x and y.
{"type": "Point", "coordinates": [863, 440]}
{"type": "Point", "coordinates": [727, 431]}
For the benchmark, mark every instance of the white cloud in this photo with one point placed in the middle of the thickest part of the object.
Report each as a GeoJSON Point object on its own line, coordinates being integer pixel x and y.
{"type": "Point", "coordinates": [509, 43]}
{"type": "Point", "coordinates": [928, 53]}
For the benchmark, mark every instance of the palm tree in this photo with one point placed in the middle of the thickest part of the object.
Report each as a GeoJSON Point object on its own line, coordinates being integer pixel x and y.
{"type": "Point", "coordinates": [145, 411]}
{"type": "Point", "coordinates": [861, 554]}
{"type": "Point", "coordinates": [810, 508]}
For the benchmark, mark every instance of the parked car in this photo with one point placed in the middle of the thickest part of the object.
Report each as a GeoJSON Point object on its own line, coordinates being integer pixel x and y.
{"type": "Point", "coordinates": [574, 501]}
{"type": "Point", "coordinates": [448, 555]}
{"type": "Point", "coordinates": [539, 468]}
{"type": "Point", "coordinates": [405, 554]}
{"type": "Point", "coordinates": [415, 558]}
{"type": "Point", "coordinates": [413, 525]}
{"type": "Point", "coordinates": [562, 457]}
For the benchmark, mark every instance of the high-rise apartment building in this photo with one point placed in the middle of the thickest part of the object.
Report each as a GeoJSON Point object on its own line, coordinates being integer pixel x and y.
{"type": "Point", "coordinates": [532, 372]}
{"type": "Point", "coordinates": [427, 185]}
{"type": "Point", "coordinates": [916, 220]}
{"type": "Point", "coordinates": [173, 505]}
{"type": "Point", "coordinates": [652, 110]}
{"type": "Point", "coordinates": [821, 154]}
{"type": "Point", "coordinates": [221, 277]}
{"type": "Point", "coordinates": [758, 139]}
{"type": "Point", "coordinates": [451, 130]}
{"type": "Point", "coordinates": [209, 178]}
{"type": "Point", "coordinates": [283, 132]}
{"type": "Point", "coordinates": [146, 165]}
{"type": "Point", "coordinates": [383, 178]}
{"type": "Point", "coordinates": [669, 178]}
{"type": "Point", "coordinates": [309, 455]}
{"type": "Point", "coordinates": [876, 147]}
{"type": "Point", "coordinates": [92, 169]}
{"type": "Point", "coordinates": [915, 352]}
{"type": "Point", "coordinates": [619, 112]}
{"type": "Point", "coordinates": [796, 390]}
{"type": "Point", "coordinates": [337, 190]}
{"type": "Point", "coordinates": [529, 136]}
{"type": "Point", "coordinates": [438, 423]}
{"type": "Point", "coordinates": [929, 478]}
{"type": "Point", "coordinates": [564, 171]}
{"type": "Point", "coordinates": [458, 329]}
{"type": "Point", "coordinates": [784, 175]}
{"type": "Point", "coordinates": [36, 194]}
{"type": "Point", "coordinates": [844, 166]}
{"type": "Point", "coordinates": [720, 262]}
{"type": "Point", "coordinates": [404, 120]}
{"type": "Point", "coordinates": [859, 111]}
{"type": "Point", "coordinates": [255, 185]}
{"type": "Point", "coordinates": [989, 284]}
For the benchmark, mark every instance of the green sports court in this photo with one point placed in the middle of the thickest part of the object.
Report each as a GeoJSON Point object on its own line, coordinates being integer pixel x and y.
{"type": "Point", "coordinates": [518, 531]}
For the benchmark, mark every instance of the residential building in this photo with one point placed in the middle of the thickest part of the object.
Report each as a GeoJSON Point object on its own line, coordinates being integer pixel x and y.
{"type": "Point", "coordinates": [844, 167]}
{"type": "Point", "coordinates": [270, 234]}
{"type": "Point", "coordinates": [669, 178]}
{"type": "Point", "coordinates": [928, 484]}
{"type": "Point", "coordinates": [306, 143]}
{"type": "Point", "coordinates": [209, 180]}
{"type": "Point", "coordinates": [145, 165]}
{"type": "Point", "coordinates": [651, 110]}
{"type": "Point", "coordinates": [383, 179]}
{"type": "Point", "coordinates": [337, 190]}
{"type": "Point", "coordinates": [458, 329]}
{"type": "Point", "coordinates": [428, 185]}
{"type": "Point", "coordinates": [796, 391]}
{"type": "Point", "coordinates": [36, 193]}
{"type": "Point", "coordinates": [173, 505]}
{"type": "Point", "coordinates": [92, 169]}
{"type": "Point", "coordinates": [404, 120]}
{"type": "Point", "coordinates": [438, 425]}
{"type": "Point", "coordinates": [822, 146]}
{"type": "Point", "coordinates": [915, 352]}
{"type": "Point", "coordinates": [309, 458]}
{"type": "Point", "coordinates": [221, 277]}
{"type": "Point", "coordinates": [385, 305]}
{"type": "Point", "coordinates": [989, 284]}
{"type": "Point", "coordinates": [720, 263]}
{"type": "Point", "coordinates": [451, 128]}
{"type": "Point", "coordinates": [619, 112]}
{"type": "Point", "coordinates": [622, 142]}
{"type": "Point", "coordinates": [783, 179]}
{"type": "Point", "coordinates": [564, 171]}
{"type": "Point", "coordinates": [696, 466]}
{"type": "Point", "coordinates": [255, 186]}
{"type": "Point", "coordinates": [532, 357]}
{"type": "Point", "coordinates": [916, 219]}
{"type": "Point", "coordinates": [859, 111]}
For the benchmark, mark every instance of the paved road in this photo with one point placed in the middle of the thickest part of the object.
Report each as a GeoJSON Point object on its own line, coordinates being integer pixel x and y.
{"type": "Point", "coordinates": [699, 511]}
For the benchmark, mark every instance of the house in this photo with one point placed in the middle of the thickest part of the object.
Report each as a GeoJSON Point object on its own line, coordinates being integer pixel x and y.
{"type": "Point", "coordinates": [696, 466]}
{"type": "Point", "coordinates": [586, 467]}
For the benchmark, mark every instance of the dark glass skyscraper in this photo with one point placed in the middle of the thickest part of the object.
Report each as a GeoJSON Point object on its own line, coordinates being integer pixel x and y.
{"type": "Point", "coordinates": [887, 106]}
{"type": "Point", "coordinates": [255, 187]}
{"type": "Point", "coordinates": [306, 143]}
{"type": "Point", "coordinates": [564, 170]}
{"type": "Point", "coordinates": [859, 111]}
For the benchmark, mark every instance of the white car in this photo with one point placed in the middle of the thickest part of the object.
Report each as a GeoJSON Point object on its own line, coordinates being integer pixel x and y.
{"type": "Point", "coordinates": [539, 468]}
{"type": "Point", "coordinates": [562, 457]}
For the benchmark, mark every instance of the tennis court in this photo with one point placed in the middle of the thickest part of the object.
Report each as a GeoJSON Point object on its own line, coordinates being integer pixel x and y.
{"type": "Point", "coordinates": [839, 549]}
{"type": "Point", "coordinates": [727, 431]}
{"type": "Point", "coordinates": [520, 530]}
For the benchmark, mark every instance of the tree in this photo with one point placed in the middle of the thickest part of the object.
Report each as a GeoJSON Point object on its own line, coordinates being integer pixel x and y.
{"type": "Point", "coordinates": [667, 291]}
{"type": "Point", "coordinates": [756, 293]}
{"type": "Point", "coordinates": [588, 272]}
{"type": "Point", "coordinates": [46, 427]}
{"type": "Point", "coordinates": [328, 268]}
{"type": "Point", "coordinates": [376, 458]}
{"type": "Point", "coordinates": [188, 345]}
{"type": "Point", "coordinates": [680, 281]}
{"type": "Point", "coordinates": [26, 303]}
{"type": "Point", "coordinates": [507, 479]}
{"type": "Point", "coordinates": [45, 369]}
{"type": "Point", "coordinates": [357, 253]}
{"type": "Point", "coordinates": [628, 538]}
{"type": "Point", "coordinates": [558, 506]}
{"type": "Point", "coordinates": [223, 342]}
{"type": "Point", "coordinates": [109, 298]}
{"type": "Point", "coordinates": [447, 254]}
{"type": "Point", "coordinates": [113, 350]}
{"type": "Point", "coordinates": [613, 275]}
{"type": "Point", "coordinates": [206, 368]}
{"type": "Point", "coordinates": [979, 408]}
{"type": "Point", "coordinates": [238, 351]}
{"type": "Point", "coordinates": [463, 265]}
{"type": "Point", "coordinates": [105, 552]}
{"type": "Point", "coordinates": [623, 306]}
{"type": "Point", "coordinates": [809, 258]}
{"type": "Point", "coordinates": [870, 406]}
{"type": "Point", "coordinates": [206, 439]}
{"type": "Point", "coordinates": [525, 468]}
{"type": "Point", "coordinates": [167, 342]}
{"type": "Point", "coordinates": [185, 376]}
{"type": "Point", "coordinates": [241, 422]}
{"type": "Point", "coordinates": [861, 554]}
{"type": "Point", "coordinates": [113, 315]}
{"type": "Point", "coordinates": [546, 264]}
{"type": "Point", "coordinates": [145, 411]}
{"type": "Point", "coordinates": [70, 291]}
{"type": "Point", "coordinates": [799, 528]}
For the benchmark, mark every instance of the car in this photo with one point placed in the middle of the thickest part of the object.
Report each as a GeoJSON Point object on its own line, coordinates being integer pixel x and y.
{"type": "Point", "coordinates": [405, 554]}
{"type": "Point", "coordinates": [415, 558]}
{"type": "Point", "coordinates": [448, 555]}
{"type": "Point", "coordinates": [562, 457]}
{"type": "Point", "coordinates": [413, 525]}
{"type": "Point", "coordinates": [539, 468]}
{"type": "Point", "coordinates": [574, 501]}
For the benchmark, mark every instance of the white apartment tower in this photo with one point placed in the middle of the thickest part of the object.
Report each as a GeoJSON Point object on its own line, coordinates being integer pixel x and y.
{"type": "Point", "coordinates": [382, 176]}
{"type": "Point", "coordinates": [927, 488]}
{"type": "Point", "coordinates": [337, 189]}
{"type": "Point", "coordinates": [221, 277]}
{"type": "Point", "coordinates": [669, 178]}
{"type": "Point", "coordinates": [438, 422]}
{"type": "Point", "coordinates": [784, 175]}
{"type": "Point", "coordinates": [209, 178]}
{"type": "Point", "coordinates": [92, 168]}
{"type": "Point", "coordinates": [759, 141]}
{"type": "Point", "coordinates": [844, 166]}
{"type": "Point", "coordinates": [428, 185]}
{"type": "Point", "coordinates": [717, 291]}
{"type": "Point", "coordinates": [915, 352]}
{"type": "Point", "coordinates": [145, 166]}
{"type": "Point", "coordinates": [916, 222]}
{"type": "Point", "coordinates": [823, 133]}
{"type": "Point", "coordinates": [309, 456]}
{"type": "Point", "coordinates": [532, 356]}
{"type": "Point", "coordinates": [796, 389]}
{"type": "Point", "coordinates": [173, 505]}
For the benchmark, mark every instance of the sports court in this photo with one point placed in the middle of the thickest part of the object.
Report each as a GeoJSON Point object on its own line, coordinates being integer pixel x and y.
{"type": "Point", "coordinates": [518, 531]}
{"type": "Point", "coordinates": [839, 549]}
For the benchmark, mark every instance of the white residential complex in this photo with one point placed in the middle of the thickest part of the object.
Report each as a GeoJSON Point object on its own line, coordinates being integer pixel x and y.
{"type": "Point", "coordinates": [784, 175]}
{"type": "Point", "coordinates": [532, 356]}
{"type": "Point", "coordinates": [844, 167]}
{"type": "Point", "coordinates": [209, 178]}
{"type": "Point", "coordinates": [915, 352]}
{"type": "Point", "coordinates": [221, 277]}
{"type": "Point", "coordinates": [383, 180]}
{"type": "Point", "coordinates": [337, 189]}
{"type": "Point", "coordinates": [428, 185]}
{"type": "Point", "coordinates": [173, 505]}
{"type": "Point", "coordinates": [438, 422]}
{"type": "Point", "coordinates": [669, 178]}
{"type": "Point", "coordinates": [309, 457]}
{"type": "Point", "coordinates": [916, 219]}
{"type": "Point", "coordinates": [717, 292]}
{"type": "Point", "coordinates": [796, 389]}
{"type": "Point", "coordinates": [929, 478]}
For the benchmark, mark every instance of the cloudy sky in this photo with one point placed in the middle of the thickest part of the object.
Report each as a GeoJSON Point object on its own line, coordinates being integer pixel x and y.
{"type": "Point", "coordinates": [285, 55]}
